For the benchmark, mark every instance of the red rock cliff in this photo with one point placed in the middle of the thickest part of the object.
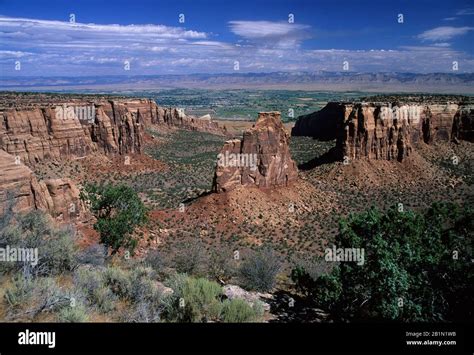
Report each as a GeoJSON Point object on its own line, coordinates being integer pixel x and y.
{"type": "Point", "coordinates": [385, 130]}
{"type": "Point", "coordinates": [261, 158]}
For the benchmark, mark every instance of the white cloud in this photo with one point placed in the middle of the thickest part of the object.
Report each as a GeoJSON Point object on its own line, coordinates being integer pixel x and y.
{"type": "Point", "coordinates": [60, 48]}
{"type": "Point", "coordinates": [283, 34]}
{"type": "Point", "coordinates": [444, 33]}
{"type": "Point", "coordinates": [465, 12]}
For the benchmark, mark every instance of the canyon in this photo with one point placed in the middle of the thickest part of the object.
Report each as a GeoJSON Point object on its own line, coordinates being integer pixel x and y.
{"type": "Point", "coordinates": [37, 128]}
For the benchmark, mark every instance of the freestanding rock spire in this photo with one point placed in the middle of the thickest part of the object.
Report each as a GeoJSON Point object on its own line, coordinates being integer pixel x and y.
{"type": "Point", "coordinates": [261, 158]}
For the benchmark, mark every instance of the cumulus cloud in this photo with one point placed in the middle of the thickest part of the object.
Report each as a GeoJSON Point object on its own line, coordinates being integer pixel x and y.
{"type": "Point", "coordinates": [444, 33]}
{"type": "Point", "coordinates": [61, 48]}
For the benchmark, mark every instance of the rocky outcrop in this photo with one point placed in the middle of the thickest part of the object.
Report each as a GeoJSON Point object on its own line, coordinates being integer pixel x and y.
{"type": "Point", "coordinates": [70, 130]}
{"type": "Point", "coordinates": [392, 131]}
{"type": "Point", "coordinates": [20, 190]}
{"type": "Point", "coordinates": [463, 125]}
{"type": "Point", "coordinates": [19, 186]}
{"type": "Point", "coordinates": [64, 194]}
{"type": "Point", "coordinates": [388, 130]}
{"type": "Point", "coordinates": [177, 118]}
{"type": "Point", "coordinates": [44, 129]}
{"type": "Point", "coordinates": [233, 292]}
{"type": "Point", "coordinates": [261, 158]}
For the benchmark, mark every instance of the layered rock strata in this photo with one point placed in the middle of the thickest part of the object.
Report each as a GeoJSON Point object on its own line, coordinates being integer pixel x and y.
{"type": "Point", "coordinates": [21, 191]}
{"type": "Point", "coordinates": [76, 128]}
{"type": "Point", "coordinates": [388, 131]}
{"type": "Point", "coordinates": [261, 158]}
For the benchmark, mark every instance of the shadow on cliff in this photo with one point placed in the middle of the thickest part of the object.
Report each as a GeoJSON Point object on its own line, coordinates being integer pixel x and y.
{"type": "Point", "coordinates": [329, 157]}
{"type": "Point", "coordinates": [191, 199]}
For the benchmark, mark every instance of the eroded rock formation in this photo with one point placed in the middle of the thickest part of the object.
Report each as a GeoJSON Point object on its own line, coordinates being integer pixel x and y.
{"type": "Point", "coordinates": [74, 127]}
{"type": "Point", "coordinates": [177, 118]}
{"type": "Point", "coordinates": [20, 189]}
{"type": "Point", "coordinates": [261, 158]}
{"type": "Point", "coordinates": [60, 131]}
{"type": "Point", "coordinates": [386, 130]}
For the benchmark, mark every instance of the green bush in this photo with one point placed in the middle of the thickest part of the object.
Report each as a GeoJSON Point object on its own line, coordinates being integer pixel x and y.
{"type": "Point", "coordinates": [144, 312]}
{"type": "Point", "coordinates": [259, 271]}
{"type": "Point", "coordinates": [118, 281]}
{"type": "Point", "coordinates": [27, 297]}
{"type": "Point", "coordinates": [416, 267]}
{"type": "Point", "coordinates": [77, 314]}
{"type": "Point", "coordinates": [143, 286]}
{"type": "Point", "coordinates": [193, 300]}
{"type": "Point", "coordinates": [118, 210]}
{"type": "Point", "coordinates": [220, 265]}
{"type": "Point", "coordinates": [20, 292]}
{"type": "Point", "coordinates": [238, 311]}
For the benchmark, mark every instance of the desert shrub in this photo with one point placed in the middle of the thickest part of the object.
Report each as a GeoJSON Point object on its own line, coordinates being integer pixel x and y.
{"type": "Point", "coordinates": [308, 275]}
{"type": "Point", "coordinates": [190, 258]}
{"type": "Point", "coordinates": [118, 210]}
{"type": "Point", "coordinates": [49, 297]}
{"type": "Point", "coordinates": [94, 255]}
{"type": "Point", "coordinates": [143, 312]}
{"type": "Point", "coordinates": [144, 286]}
{"type": "Point", "coordinates": [7, 214]}
{"type": "Point", "coordinates": [238, 311]}
{"type": "Point", "coordinates": [415, 268]}
{"type": "Point", "coordinates": [92, 283]}
{"type": "Point", "coordinates": [118, 281]}
{"type": "Point", "coordinates": [28, 296]}
{"type": "Point", "coordinates": [76, 314]}
{"type": "Point", "coordinates": [20, 292]}
{"type": "Point", "coordinates": [193, 300]}
{"type": "Point", "coordinates": [259, 271]}
{"type": "Point", "coordinates": [56, 246]}
{"type": "Point", "coordinates": [220, 265]}
{"type": "Point", "coordinates": [156, 260]}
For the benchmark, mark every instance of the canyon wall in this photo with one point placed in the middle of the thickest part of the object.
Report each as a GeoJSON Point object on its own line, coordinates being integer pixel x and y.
{"type": "Point", "coordinates": [152, 114]}
{"type": "Point", "coordinates": [261, 158]}
{"type": "Point", "coordinates": [76, 128]}
{"type": "Point", "coordinates": [41, 127]}
{"type": "Point", "coordinates": [58, 131]}
{"type": "Point", "coordinates": [388, 131]}
{"type": "Point", "coordinates": [21, 190]}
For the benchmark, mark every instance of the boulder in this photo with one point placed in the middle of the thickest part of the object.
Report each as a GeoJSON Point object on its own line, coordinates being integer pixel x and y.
{"type": "Point", "coordinates": [236, 292]}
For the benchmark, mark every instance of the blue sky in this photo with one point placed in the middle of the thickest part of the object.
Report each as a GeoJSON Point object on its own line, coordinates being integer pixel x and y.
{"type": "Point", "coordinates": [216, 34]}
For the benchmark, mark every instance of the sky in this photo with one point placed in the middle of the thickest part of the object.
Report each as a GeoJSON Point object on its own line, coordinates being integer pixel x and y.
{"type": "Point", "coordinates": [140, 37]}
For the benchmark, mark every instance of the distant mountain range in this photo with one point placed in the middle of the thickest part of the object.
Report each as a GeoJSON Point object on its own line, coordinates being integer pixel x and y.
{"type": "Point", "coordinates": [337, 81]}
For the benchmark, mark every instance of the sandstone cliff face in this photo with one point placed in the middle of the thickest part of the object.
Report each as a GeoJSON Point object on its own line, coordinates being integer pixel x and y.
{"type": "Point", "coordinates": [20, 188]}
{"type": "Point", "coordinates": [176, 118]}
{"type": "Point", "coordinates": [261, 158]}
{"type": "Point", "coordinates": [388, 131]}
{"type": "Point", "coordinates": [77, 128]}
{"type": "Point", "coordinates": [40, 133]}
{"type": "Point", "coordinates": [19, 185]}
{"type": "Point", "coordinates": [65, 198]}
